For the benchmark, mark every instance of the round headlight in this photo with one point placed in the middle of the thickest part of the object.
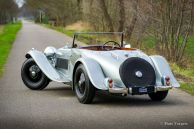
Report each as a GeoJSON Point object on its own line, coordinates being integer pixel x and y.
{"type": "Point", "coordinates": [50, 51]}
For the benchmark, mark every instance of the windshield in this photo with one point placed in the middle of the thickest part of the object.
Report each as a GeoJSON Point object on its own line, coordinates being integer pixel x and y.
{"type": "Point", "coordinates": [82, 39]}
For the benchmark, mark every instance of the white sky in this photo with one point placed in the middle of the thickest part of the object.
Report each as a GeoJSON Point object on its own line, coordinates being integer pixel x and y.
{"type": "Point", "coordinates": [20, 3]}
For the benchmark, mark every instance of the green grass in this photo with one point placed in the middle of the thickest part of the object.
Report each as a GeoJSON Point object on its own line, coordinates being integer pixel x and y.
{"type": "Point", "coordinates": [65, 31]}
{"type": "Point", "coordinates": [85, 38]}
{"type": "Point", "coordinates": [61, 29]}
{"type": "Point", "coordinates": [149, 42]}
{"type": "Point", "coordinates": [188, 87]}
{"type": "Point", "coordinates": [7, 36]}
{"type": "Point", "coordinates": [1, 28]}
{"type": "Point", "coordinates": [190, 46]}
{"type": "Point", "coordinates": [186, 77]}
{"type": "Point", "coordinates": [189, 51]}
{"type": "Point", "coordinates": [188, 73]}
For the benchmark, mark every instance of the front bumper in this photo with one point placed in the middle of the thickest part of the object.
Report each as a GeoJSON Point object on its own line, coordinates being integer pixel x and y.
{"type": "Point", "coordinates": [130, 90]}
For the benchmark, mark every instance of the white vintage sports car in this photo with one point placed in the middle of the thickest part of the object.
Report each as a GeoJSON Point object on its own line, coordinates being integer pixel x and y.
{"type": "Point", "coordinates": [110, 65]}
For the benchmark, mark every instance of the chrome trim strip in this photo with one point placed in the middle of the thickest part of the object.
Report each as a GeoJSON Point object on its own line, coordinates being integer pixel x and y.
{"type": "Point", "coordinates": [129, 90]}
{"type": "Point", "coordinates": [119, 90]}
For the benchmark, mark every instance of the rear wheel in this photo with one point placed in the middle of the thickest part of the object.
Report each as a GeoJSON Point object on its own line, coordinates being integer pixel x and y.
{"type": "Point", "coordinates": [158, 96]}
{"type": "Point", "coordinates": [32, 76]}
{"type": "Point", "coordinates": [84, 89]}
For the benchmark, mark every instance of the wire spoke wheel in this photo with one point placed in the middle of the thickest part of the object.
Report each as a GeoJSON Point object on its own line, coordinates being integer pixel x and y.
{"type": "Point", "coordinates": [81, 84]}
{"type": "Point", "coordinates": [84, 89]}
{"type": "Point", "coordinates": [32, 75]}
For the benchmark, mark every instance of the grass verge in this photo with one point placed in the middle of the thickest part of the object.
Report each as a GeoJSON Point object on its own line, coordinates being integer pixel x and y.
{"type": "Point", "coordinates": [187, 73]}
{"type": "Point", "coordinates": [7, 36]}
{"type": "Point", "coordinates": [71, 29]}
{"type": "Point", "coordinates": [84, 38]}
{"type": "Point", "coordinates": [61, 29]}
{"type": "Point", "coordinates": [187, 87]}
{"type": "Point", "coordinates": [185, 77]}
{"type": "Point", "coordinates": [1, 28]}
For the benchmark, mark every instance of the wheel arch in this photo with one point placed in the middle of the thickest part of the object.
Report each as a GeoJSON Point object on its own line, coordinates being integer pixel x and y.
{"type": "Point", "coordinates": [74, 69]}
{"type": "Point", "coordinates": [45, 66]}
{"type": "Point", "coordinates": [162, 69]}
{"type": "Point", "coordinates": [94, 71]}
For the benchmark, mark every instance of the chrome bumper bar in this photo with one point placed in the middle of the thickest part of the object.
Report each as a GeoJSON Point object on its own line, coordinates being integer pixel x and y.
{"type": "Point", "coordinates": [119, 90]}
{"type": "Point", "coordinates": [129, 90]}
{"type": "Point", "coordinates": [162, 88]}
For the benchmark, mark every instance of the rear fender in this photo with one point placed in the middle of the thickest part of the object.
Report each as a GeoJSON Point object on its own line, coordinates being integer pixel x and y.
{"type": "Point", "coordinates": [162, 69]}
{"type": "Point", "coordinates": [94, 72]}
{"type": "Point", "coordinates": [45, 66]}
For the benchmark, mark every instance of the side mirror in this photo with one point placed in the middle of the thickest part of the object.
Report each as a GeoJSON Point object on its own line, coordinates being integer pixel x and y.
{"type": "Point", "coordinates": [128, 46]}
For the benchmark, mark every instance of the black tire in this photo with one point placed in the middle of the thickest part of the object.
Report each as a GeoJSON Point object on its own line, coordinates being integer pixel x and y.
{"type": "Point", "coordinates": [158, 96]}
{"type": "Point", "coordinates": [36, 82]}
{"type": "Point", "coordinates": [84, 89]}
{"type": "Point", "coordinates": [132, 65]}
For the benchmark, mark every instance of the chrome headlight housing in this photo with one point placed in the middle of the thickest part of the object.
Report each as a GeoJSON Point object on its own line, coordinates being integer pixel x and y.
{"type": "Point", "coordinates": [50, 53]}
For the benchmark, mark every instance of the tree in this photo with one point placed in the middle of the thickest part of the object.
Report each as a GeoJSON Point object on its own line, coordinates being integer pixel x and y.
{"type": "Point", "coordinates": [106, 15]}
{"type": "Point", "coordinates": [62, 11]}
{"type": "Point", "coordinates": [131, 26]}
{"type": "Point", "coordinates": [168, 22]}
{"type": "Point", "coordinates": [175, 23]}
{"type": "Point", "coordinates": [122, 16]}
{"type": "Point", "coordinates": [8, 10]}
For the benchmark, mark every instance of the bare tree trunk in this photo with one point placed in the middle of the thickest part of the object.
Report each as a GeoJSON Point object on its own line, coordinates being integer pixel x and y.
{"type": "Point", "coordinates": [175, 26]}
{"type": "Point", "coordinates": [177, 37]}
{"type": "Point", "coordinates": [188, 31]}
{"type": "Point", "coordinates": [130, 28]}
{"type": "Point", "coordinates": [122, 15]}
{"type": "Point", "coordinates": [106, 15]}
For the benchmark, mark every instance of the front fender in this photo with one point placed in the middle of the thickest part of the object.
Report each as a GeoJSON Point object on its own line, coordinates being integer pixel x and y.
{"type": "Point", "coordinates": [45, 66]}
{"type": "Point", "coordinates": [163, 69]}
{"type": "Point", "coordinates": [94, 72]}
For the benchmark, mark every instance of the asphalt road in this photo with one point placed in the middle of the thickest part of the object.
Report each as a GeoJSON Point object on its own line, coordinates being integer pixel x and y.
{"type": "Point", "coordinates": [57, 107]}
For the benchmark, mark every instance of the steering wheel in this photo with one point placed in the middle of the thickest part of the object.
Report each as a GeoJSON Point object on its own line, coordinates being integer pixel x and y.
{"type": "Point", "coordinates": [113, 45]}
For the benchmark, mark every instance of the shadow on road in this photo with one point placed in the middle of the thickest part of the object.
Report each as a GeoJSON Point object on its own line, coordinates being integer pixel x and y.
{"type": "Point", "coordinates": [140, 100]}
{"type": "Point", "coordinates": [103, 98]}
{"type": "Point", "coordinates": [59, 91]}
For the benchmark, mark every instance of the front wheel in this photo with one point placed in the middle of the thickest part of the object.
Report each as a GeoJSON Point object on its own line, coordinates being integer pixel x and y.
{"type": "Point", "coordinates": [158, 96]}
{"type": "Point", "coordinates": [32, 76]}
{"type": "Point", "coordinates": [84, 89]}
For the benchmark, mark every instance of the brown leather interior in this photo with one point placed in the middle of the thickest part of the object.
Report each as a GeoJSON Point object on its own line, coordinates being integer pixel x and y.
{"type": "Point", "coordinates": [100, 48]}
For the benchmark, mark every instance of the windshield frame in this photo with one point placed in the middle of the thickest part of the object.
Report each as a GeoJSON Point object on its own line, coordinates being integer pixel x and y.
{"type": "Point", "coordinates": [101, 33]}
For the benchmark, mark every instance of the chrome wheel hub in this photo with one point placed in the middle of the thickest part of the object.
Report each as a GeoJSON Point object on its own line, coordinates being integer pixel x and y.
{"type": "Point", "coordinates": [34, 70]}
{"type": "Point", "coordinates": [138, 74]}
{"type": "Point", "coordinates": [81, 83]}
{"type": "Point", "coordinates": [33, 73]}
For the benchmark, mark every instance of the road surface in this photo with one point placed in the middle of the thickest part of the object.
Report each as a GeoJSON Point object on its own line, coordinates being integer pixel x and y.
{"type": "Point", "coordinates": [57, 107]}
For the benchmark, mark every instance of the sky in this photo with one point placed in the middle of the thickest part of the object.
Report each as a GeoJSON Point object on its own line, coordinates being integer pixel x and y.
{"type": "Point", "coordinates": [20, 3]}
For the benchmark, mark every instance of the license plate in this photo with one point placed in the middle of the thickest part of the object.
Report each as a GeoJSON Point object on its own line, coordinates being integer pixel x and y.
{"type": "Point", "coordinates": [143, 90]}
